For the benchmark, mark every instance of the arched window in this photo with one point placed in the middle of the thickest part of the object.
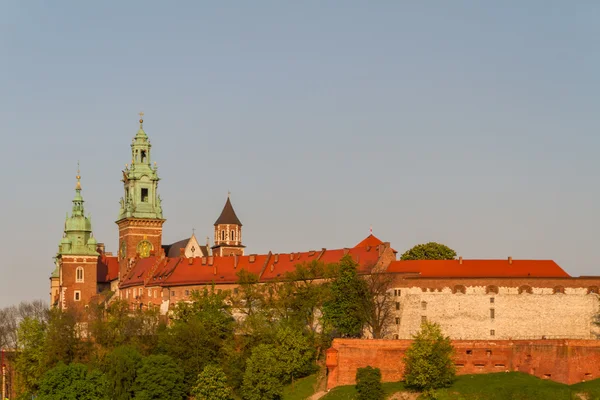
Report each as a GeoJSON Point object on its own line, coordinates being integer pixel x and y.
{"type": "Point", "coordinates": [459, 289]}
{"type": "Point", "coordinates": [79, 275]}
{"type": "Point", "coordinates": [558, 289]}
{"type": "Point", "coordinates": [222, 235]}
{"type": "Point", "coordinates": [525, 289]}
{"type": "Point", "coordinates": [232, 235]}
{"type": "Point", "coordinates": [491, 289]}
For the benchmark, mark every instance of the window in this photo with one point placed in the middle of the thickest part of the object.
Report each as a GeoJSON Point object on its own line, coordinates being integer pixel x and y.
{"type": "Point", "coordinates": [143, 156]}
{"type": "Point", "coordinates": [235, 290]}
{"type": "Point", "coordinates": [145, 195]}
{"type": "Point", "coordinates": [423, 319]}
{"type": "Point", "coordinates": [397, 321]}
{"type": "Point", "coordinates": [232, 235]}
{"type": "Point", "coordinates": [492, 332]}
{"type": "Point", "coordinates": [140, 292]}
{"type": "Point", "coordinates": [127, 294]}
{"type": "Point", "coordinates": [173, 293]}
{"type": "Point", "coordinates": [492, 313]}
{"type": "Point", "coordinates": [155, 293]}
{"type": "Point", "coordinates": [469, 352]}
{"type": "Point", "coordinates": [491, 300]}
{"type": "Point", "coordinates": [424, 305]}
{"type": "Point", "coordinates": [149, 293]}
{"type": "Point", "coordinates": [79, 275]}
{"type": "Point", "coordinates": [187, 292]}
{"type": "Point", "coordinates": [77, 294]}
{"type": "Point", "coordinates": [397, 305]}
{"type": "Point", "coordinates": [488, 353]}
{"type": "Point", "coordinates": [396, 292]}
{"type": "Point", "coordinates": [222, 235]}
{"type": "Point", "coordinates": [396, 336]}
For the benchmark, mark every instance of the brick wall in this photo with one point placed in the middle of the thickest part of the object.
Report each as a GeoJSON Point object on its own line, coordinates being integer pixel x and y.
{"type": "Point", "coordinates": [69, 285]}
{"type": "Point", "coordinates": [565, 361]}
{"type": "Point", "coordinates": [132, 231]}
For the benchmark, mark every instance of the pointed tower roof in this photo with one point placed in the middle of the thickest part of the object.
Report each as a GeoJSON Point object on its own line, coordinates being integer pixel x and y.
{"type": "Point", "coordinates": [228, 216]}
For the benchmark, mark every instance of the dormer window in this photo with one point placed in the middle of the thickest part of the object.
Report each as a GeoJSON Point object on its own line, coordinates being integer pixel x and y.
{"type": "Point", "coordinates": [144, 195]}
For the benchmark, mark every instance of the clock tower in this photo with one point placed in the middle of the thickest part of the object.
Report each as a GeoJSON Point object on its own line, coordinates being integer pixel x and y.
{"type": "Point", "coordinates": [140, 216]}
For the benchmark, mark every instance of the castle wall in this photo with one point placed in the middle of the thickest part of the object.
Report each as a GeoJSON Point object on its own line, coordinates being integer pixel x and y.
{"type": "Point", "coordinates": [565, 361]}
{"type": "Point", "coordinates": [497, 309]}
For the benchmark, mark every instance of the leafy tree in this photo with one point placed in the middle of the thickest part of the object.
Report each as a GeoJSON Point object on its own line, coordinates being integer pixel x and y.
{"type": "Point", "coordinates": [63, 338]}
{"type": "Point", "coordinates": [376, 307]}
{"type": "Point", "coordinates": [212, 384]}
{"type": "Point", "coordinates": [368, 384]}
{"type": "Point", "coordinates": [71, 382]}
{"type": "Point", "coordinates": [30, 360]}
{"type": "Point", "coordinates": [342, 309]}
{"type": "Point", "coordinates": [262, 379]}
{"type": "Point", "coordinates": [428, 361]}
{"type": "Point", "coordinates": [250, 295]}
{"type": "Point", "coordinates": [200, 331]}
{"type": "Point", "coordinates": [120, 369]}
{"type": "Point", "coordinates": [159, 377]}
{"type": "Point", "coordinates": [295, 353]}
{"type": "Point", "coordinates": [429, 251]}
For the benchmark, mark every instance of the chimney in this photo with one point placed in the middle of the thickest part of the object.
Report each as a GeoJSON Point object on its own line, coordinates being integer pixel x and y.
{"type": "Point", "coordinates": [210, 260]}
{"type": "Point", "coordinates": [215, 270]}
{"type": "Point", "coordinates": [101, 248]}
{"type": "Point", "coordinates": [291, 256]}
{"type": "Point", "coordinates": [460, 260]}
{"type": "Point", "coordinates": [311, 253]}
{"type": "Point", "coordinates": [346, 250]}
{"type": "Point", "coordinates": [181, 252]}
{"type": "Point", "coordinates": [235, 261]}
{"type": "Point", "coordinates": [251, 258]}
{"type": "Point", "coordinates": [272, 267]}
{"type": "Point", "coordinates": [276, 258]}
{"type": "Point", "coordinates": [190, 261]}
{"type": "Point", "coordinates": [204, 260]}
{"type": "Point", "coordinates": [509, 260]}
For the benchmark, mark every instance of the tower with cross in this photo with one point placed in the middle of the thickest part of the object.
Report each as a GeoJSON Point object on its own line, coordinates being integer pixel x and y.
{"type": "Point", "coordinates": [228, 232]}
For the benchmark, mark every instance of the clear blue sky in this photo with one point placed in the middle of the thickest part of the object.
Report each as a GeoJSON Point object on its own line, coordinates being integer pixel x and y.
{"type": "Point", "coordinates": [470, 123]}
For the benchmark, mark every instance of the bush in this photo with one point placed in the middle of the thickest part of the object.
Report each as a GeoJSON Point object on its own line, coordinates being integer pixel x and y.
{"type": "Point", "coordinates": [368, 384]}
{"type": "Point", "coordinates": [428, 361]}
{"type": "Point", "coordinates": [212, 385]}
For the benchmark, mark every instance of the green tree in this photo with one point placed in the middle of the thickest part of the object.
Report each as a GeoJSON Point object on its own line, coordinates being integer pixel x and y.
{"type": "Point", "coordinates": [72, 382]}
{"type": "Point", "coordinates": [295, 353]}
{"type": "Point", "coordinates": [30, 360]}
{"type": "Point", "coordinates": [63, 338]}
{"type": "Point", "coordinates": [368, 384]}
{"type": "Point", "coordinates": [159, 377]}
{"type": "Point", "coordinates": [262, 379]}
{"type": "Point", "coordinates": [342, 310]}
{"type": "Point", "coordinates": [120, 369]}
{"type": "Point", "coordinates": [428, 361]}
{"type": "Point", "coordinates": [429, 251]}
{"type": "Point", "coordinates": [212, 384]}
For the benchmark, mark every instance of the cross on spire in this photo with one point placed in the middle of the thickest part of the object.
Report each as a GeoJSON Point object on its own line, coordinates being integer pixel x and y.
{"type": "Point", "coordinates": [141, 114]}
{"type": "Point", "coordinates": [78, 185]}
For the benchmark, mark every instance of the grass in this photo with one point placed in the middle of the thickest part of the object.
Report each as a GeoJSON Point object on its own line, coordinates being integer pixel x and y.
{"type": "Point", "coordinates": [499, 386]}
{"type": "Point", "coordinates": [302, 389]}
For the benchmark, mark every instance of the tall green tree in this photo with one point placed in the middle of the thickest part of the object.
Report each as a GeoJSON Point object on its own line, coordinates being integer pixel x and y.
{"type": "Point", "coordinates": [428, 361]}
{"type": "Point", "coordinates": [212, 384]}
{"type": "Point", "coordinates": [262, 379]}
{"type": "Point", "coordinates": [30, 362]}
{"type": "Point", "coordinates": [63, 338]}
{"type": "Point", "coordinates": [342, 310]}
{"type": "Point", "coordinates": [429, 251]}
{"type": "Point", "coordinates": [295, 353]}
{"type": "Point", "coordinates": [120, 369]}
{"type": "Point", "coordinates": [72, 382]}
{"type": "Point", "coordinates": [159, 377]}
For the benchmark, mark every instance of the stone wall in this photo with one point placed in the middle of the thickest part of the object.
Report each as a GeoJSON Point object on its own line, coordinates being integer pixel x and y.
{"type": "Point", "coordinates": [488, 309]}
{"type": "Point", "coordinates": [565, 361]}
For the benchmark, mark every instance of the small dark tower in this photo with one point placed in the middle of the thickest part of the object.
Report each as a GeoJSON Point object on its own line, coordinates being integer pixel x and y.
{"type": "Point", "coordinates": [228, 233]}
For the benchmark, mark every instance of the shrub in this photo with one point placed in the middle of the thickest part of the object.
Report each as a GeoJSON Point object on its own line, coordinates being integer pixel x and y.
{"type": "Point", "coordinates": [368, 384]}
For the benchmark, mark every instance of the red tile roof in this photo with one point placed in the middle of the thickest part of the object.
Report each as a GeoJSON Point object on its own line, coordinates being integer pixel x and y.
{"type": "Point", "coordinates": [479, 268]}
{"type": "Point", "coordinates": [107, 268]}
{"type": "Point", "coordinates": [370, 240]}
{"type": "Point", "coordinates": [139, 272]}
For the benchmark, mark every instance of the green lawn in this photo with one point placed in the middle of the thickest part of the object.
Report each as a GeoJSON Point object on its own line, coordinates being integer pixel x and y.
{"type": "Point", "coordinates": [302, 389]}
{"type": "Point", "coordinates": [500, 386]}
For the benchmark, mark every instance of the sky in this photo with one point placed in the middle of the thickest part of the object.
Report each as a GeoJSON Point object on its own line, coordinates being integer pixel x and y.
{"type": "Point", "coordinates": [473, 124]}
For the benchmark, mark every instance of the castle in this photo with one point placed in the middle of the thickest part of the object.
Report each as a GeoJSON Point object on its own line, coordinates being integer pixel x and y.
{"type": "Point", "coordinates": [471, 299]}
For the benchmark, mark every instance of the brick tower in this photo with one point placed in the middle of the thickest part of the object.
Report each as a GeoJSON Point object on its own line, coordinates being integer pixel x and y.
{"type": "Point", "coordinates": [228, 233]}
{"type": "Point", "coordinates": [140, 216]}
{"type": "Point", "coordinates": [75, 278]}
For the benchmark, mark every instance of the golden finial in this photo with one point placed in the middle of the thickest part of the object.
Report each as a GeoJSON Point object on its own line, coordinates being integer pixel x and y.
{"type": "Point", "coordinates": [141, 114]}
{"type": "Point", "coordinates": [78, 185]}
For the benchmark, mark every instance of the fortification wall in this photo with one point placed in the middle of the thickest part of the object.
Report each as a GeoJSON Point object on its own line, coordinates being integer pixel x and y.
{"type": "Point", "coordinates": [565, 361]}
{"type": "Point", "coordinates": [495, 309]}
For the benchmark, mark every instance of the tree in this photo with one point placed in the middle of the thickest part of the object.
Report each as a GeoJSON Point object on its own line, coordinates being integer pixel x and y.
{"type": "Point", "coordinates": [368, 384]}
{"type": "Point", "coordinates": [376, 307]}
{"type": "Point", "coordinates": [63, 338]}
{"type": "Point", "coordinates": [30, 360]}
{"type": "Point", "coordinates": [428, 361]}
{"type": "Point", "coordinates": [262, 379]}
{"type": "Point", "coordinates": [429, 251]}
{"type": "Point", "coordinates": [212, 384]}
{"type": "Point", "coordinates": [295, 354]}
{"type": "Point", "coordinates": [120, 368]}
{"type": "Point", "coordinates": [347, 291]}
{"type": "Point", "coordinates": [71, 382]}
{"type": "Point", "coordinates": [159, 377]}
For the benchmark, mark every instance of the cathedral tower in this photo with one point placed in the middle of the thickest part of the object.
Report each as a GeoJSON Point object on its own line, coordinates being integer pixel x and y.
{"type": "Point", "coordinates": [74, 282]}
{"type": "Point", "coordinates": [140, 216]}
{"type": "Point", "coordinates": [228, 233]}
